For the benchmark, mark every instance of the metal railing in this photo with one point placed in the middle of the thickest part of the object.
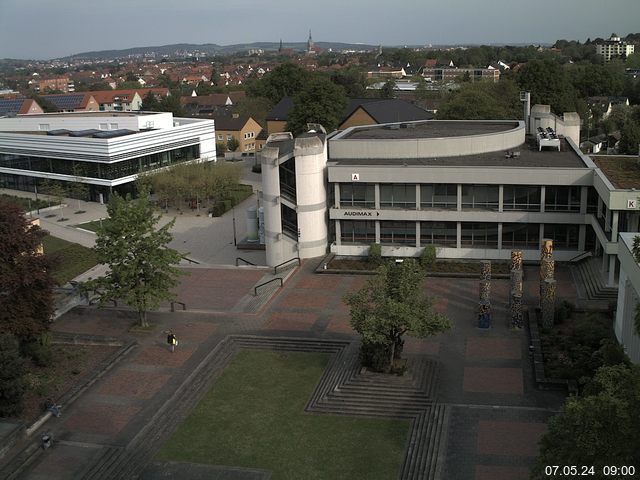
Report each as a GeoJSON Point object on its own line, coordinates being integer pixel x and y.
{"type": "Point", "coordinates": [245, 261]}
{"type": "Point", "coordinates": [184, 305]}
{"type": "Point", "coordinates": [255, 289]}
{"type": "Point", "coordinates": [275, 269]}
{"type": "Point", "coordinates": [581, 256]}
{"type": "Point", "coordinates": [184, 257]}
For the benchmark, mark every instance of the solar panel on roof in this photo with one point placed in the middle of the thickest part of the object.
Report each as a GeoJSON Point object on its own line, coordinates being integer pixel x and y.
{"type": "Point", "coordinates": [58, 132]}
{"type": "Point", "coordinates": [66, 102]}
{"type": "Point", "coordinates": [9, 106]}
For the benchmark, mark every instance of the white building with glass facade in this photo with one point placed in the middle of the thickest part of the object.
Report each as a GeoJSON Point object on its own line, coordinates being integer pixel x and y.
{"type": "Point", "coordinates": [107, 151]}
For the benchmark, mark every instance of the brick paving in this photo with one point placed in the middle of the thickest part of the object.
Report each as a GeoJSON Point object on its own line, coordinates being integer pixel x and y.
{"type": "Point", "coordinates": [479, 368]}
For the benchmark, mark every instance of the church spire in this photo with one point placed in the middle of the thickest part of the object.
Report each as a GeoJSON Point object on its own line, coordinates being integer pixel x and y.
{"type": "Point", "coordinates": [310, 46]}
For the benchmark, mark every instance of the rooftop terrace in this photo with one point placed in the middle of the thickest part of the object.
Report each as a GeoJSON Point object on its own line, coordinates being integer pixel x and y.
{"type": "Point", "coordinates": [430, 129]}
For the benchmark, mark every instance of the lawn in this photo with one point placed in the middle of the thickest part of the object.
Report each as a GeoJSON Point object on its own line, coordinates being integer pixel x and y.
{"type": "Point", "coordinates": [92, 225]}
{"type": "Point", "coordinates": [25, 203]}
{"type": "Point", "coordinates": [254, 417]}
{"type": "Point", "coordinates": [71, 259]}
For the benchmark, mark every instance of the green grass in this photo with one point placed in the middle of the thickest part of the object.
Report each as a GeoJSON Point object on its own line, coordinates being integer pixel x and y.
{"type": "Point", "coordinates": [25, 203]}
{"type": "Point", "coordinates": [92, 225]}
{"type": "Point", "coordinates": [254, 417]}
{"type": "Point", "coordinates": [71, 259]}
{"type": "Point", "coordinates": [239, 193]}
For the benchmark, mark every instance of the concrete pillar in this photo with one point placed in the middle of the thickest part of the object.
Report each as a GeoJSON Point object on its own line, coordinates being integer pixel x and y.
{"type": "Point", "coordinates": [501, 198]}
{"type": "Point", "coordinates": [614, 226]}
{"type": "Point", "coordinates": [541, 234]}
{"type": "Point", "coordinates": [612, 271]}
{"type": "Point", "coordinates": [271, 205]}
{"type": "Point", "coordinates": [599, 213]}
{"type": "Point", "coordinates": [607, 221]}
{"type": "Point", "coordinates": [458, 235]}
{"type": "Point", "coordinates": [417, 234]}
{"type": "Point", "coordinates": [516, 259]}
{"type": "Point", "coordinates": [543, 197]}
{"type": "Point", "coordinates": [459, 198]}
{"type": "Point", "coordinates": [499, 236]}
{"type": "Point", "coordinates": [582, 237]}
{"type": "Point", "coordinates": [338, 232]}
{"type": "Point", "coordinates": [336, 194]}
{"type": "Point", "coordinates": [377, 231]}
{"type": "Point", "coordinates": [584, 196]}
{"type": "Point", "coordinates": [418, 196]}
{"type": "Point", "coordinates": [376, 190]}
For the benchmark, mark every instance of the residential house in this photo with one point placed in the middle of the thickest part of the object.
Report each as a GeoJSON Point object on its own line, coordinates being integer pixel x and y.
{"type": "Point", "coordinates": [444, 74]}
{"type": "Point", "coordinates": [387, 72]}
{"type": "Point", "coordinates": [601, 107]}
{"type": "Point", "coordinates": [614, 48]}
{"type": "Point", "coordinates": [126, 100]}
{"type": "Point", "coordinates": [210, 105]}
{"type": "Point", "coordinates": [10, 107]}
{"type": "Point", "coordinates": [243, 128]}
{"type": "Point", "coordinates": [74, 102]}
{"type": "Point", "coordinates": [64, 84]}
{"type": "Point", "coordinates": [359, 111]}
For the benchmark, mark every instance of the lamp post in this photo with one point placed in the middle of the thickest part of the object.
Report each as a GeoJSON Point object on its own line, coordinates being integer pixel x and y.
{"type": "Point", "coordinates": [233, 212]}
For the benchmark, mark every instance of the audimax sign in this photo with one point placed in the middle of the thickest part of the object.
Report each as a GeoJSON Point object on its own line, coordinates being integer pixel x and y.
{"type": "Point", "coordinates": [360, 213]}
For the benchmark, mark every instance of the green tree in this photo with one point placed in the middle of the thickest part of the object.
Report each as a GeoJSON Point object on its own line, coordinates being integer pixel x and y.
{"type": "Point", "coordinates": [352, 79]}
{"type": "Point", "coordinates": [320, 101]}
{"type": "Point", "coordinates": [77, 188]}
{"type": "Point", "coordinates": [482, 101]}
{"type": "Point", "coordinates": [150, 103]}
{"type": "Point", "coordinates": [390, 305]}
{"type": "Point", "coordinates": [286, 80]}
{"type": "Point", "coordinates": [549, 84]}
{"type": "Point", "coordinates": [233, 144]}
{"type": "Point", "coordinates": [388, 89]}
{"type": "Point", "coordinates": [172, 104]}
{"type": "Point", "coordinates": [56, 190]}
{"type": "Point", "coordinates": [629, 138]}
{"type": "Point", "coordinates": [254, 107]}
{"type": "Point", "coordinates": [26, 297]}
{"type": "Point", "coordinates": [142, 268]}
{"type": "Point", "coordinates": [12, 385]}
{"type": "Point", "coordinates": [598, 429]}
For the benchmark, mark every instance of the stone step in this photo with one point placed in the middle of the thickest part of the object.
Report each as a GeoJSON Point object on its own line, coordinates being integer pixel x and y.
{"type": "Point", "coordinates": [105, 460]}
{"type": "Point", "coordinates": [350, 410]}
{"type": "Point", "coordinates": [426, 443]}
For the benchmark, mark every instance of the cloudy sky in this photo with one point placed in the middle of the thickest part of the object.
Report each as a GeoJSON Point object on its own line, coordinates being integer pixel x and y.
{"type": "Point", "coordinates": [47, 29]}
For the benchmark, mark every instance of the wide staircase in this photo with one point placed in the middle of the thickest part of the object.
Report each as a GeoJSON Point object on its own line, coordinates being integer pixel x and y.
{"type": "Point", "coordinates": [343, 389]}
{"type": "Point", "coordinates": [588, 273]}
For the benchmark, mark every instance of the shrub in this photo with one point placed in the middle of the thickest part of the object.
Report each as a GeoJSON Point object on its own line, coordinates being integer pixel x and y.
{"type": "Point", "coordinates": [39, 352]}
{"type": "Point", "coordinates": [12, 385]}
{"type": "Point", "coordinates": [375, 255]}
{"type": "Point", "coordinates": [564, 311]}
{"type": "Point", "coordinates": [428, 257]}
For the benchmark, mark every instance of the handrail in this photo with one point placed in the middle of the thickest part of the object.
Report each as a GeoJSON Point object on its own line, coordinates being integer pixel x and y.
{"type": "Point", "coordinates": [581, 256]}
{"type": "Point", "coordinates": [255, 290]}
{"type": "Point", "coordinates": [245, 261]}
{"type": "Point", "coordinates": [275, 269]}
{"type": "Point", "coordinates": [173, 303]}
{"type": "Point", "coordinates": [184, 257]}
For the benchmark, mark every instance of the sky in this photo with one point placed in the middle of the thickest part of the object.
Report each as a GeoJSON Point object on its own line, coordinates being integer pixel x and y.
{"type": "Point", "coordinates": [43, 29]}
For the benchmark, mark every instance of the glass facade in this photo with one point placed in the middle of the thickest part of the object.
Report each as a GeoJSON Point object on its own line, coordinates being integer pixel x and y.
{"type": "Point", "coordinates": [398, 195]}
{"type": "Point", "coordinates": [397, 233]}
{"type": "Point", "coordinates": [357, 195]}
{"type": "Point", "coordinates": [100, 170]}
{"type": "Point", "coordinates": [480, 197]}
{"type": "Point", "coordinates": [480, 234]}
{"type": "Point", "coordinates": [520, 235]}
{"type": "Point", "coordinates": [289, 221]}
{"type": "Point", "coordinates": [442, 234]}
{"type": "Point", "coordinates": [565, 237]}
{"type": "Point", "coordinates": [287, 171]}
{"type": "Point", "coordinates": [562, 199]}
{"type": "Point", "coordinates": [441, 196]}
{"type": "Point", "coordinates": [521, 197]}
{"type": "Point", "coordinates": [357, 232]}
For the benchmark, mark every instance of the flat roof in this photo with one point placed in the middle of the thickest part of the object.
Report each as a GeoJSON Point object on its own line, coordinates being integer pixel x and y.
{"type": "Point", "coordinates": [429, 129]}
{"type": "Point", "coordinates": [622, 171]}
{"type": "Point", "coordinates": [529, 156]}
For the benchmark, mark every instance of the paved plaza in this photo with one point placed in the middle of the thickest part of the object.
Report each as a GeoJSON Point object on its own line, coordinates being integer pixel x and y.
{"type": "Point", "coordinates": [495, 415]}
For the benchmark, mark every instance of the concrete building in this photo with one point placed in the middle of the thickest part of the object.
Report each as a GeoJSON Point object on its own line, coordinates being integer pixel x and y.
{"type": "Point", "coordinates": [109, 149]}
{"type": "Point", "coordinates": [628, 298]}
{"type": "Point", "coordinates": [474, 189]}
{"type": "Point", "coordinates": [614, 48]}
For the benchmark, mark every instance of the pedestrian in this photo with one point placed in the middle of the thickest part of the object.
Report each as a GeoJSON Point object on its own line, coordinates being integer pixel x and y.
{"type": "Point", "coordinates": [46, 440]}
{"type": "Point", "coordinates": [172, 341]}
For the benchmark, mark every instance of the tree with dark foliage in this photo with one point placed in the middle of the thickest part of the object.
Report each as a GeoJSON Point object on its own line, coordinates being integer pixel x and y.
{"type": "Point", "coordinates": [26, 297]}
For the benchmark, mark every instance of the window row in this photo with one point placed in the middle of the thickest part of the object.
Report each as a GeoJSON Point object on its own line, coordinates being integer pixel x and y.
{"type": "Point", "coordinates": [481, 197]}
{"type": "Point", "coordinates": [108, 171]}
{"type": "Point", "coordinates": [472, 234]}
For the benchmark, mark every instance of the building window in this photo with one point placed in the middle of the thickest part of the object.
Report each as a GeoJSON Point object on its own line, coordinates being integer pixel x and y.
{"type": "Point", "coordinates": [357, 195]}
{"type": "Point", "coordinates": [113, 126]}
{"type": "Point", "coordinates": [521, 235]}
{"type": "Point", "coordinates": [565, 237]}
{"type": "Point", "coordinates": [287, 172]}
{"type": "Point", "coordinates": [521, 197]}
{"type": "Point", "coordinates": [592, 200]}
{"type": "Point", "coordinates": [398, 195]}
{"type": "Point", "coordinates": [442, 234]}
{"type": "Point", "coordinates": [289, 221]}
{"type": "Point", "coordinates": [229, 137]}
{"type": "Point", "coordinates": [397, 233]}
{"type": "Point", "coordinates": [220, 137]}
{"type": "Point", "coordinates": [104, 126]}
{"type": "Point", "coordinates": [477, 234]}
{"type": "Point", "coordinates": [442, 196]}
{"type": "Point", "coordinates": [44, 127]}
{"type": "Point", "coordinates": [480, 197]}
{"type": "Point", "coordinates": [360, 232]}
{"type": "Point", "coordinates": [562, 199]}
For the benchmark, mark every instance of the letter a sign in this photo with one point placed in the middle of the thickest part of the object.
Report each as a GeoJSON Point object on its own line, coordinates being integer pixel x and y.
{"type": "Point", "coordinates": [355, 177]}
